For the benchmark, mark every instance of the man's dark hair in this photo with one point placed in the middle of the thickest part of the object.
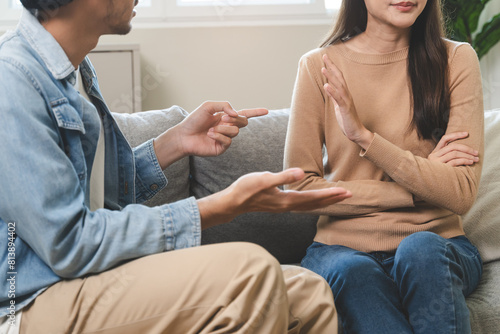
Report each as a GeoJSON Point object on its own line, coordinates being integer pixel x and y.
{"type": "Point", "coordinates": [44, 5]}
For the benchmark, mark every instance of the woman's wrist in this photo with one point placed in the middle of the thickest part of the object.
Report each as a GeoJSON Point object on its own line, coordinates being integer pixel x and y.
{"type": "Point", "coordinates": [365, 139]}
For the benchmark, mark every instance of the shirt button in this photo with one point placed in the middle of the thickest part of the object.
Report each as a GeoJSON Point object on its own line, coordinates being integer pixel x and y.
{"type": "Point", "coordinates": [153, 187]}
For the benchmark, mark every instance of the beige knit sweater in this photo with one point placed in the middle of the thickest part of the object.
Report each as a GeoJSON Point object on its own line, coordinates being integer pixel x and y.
{"type": "Point", "coordinates": [396, 190]}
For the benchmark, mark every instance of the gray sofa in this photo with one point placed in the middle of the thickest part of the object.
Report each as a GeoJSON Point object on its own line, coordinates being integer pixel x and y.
{"type": "Point", "coordinates": [259, 147]}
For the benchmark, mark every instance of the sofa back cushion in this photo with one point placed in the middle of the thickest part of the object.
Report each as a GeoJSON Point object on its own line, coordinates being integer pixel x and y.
{"type": "Point", "coordinates": [482, 222]}
{"type": "Point", "coordinates": [258, 147]}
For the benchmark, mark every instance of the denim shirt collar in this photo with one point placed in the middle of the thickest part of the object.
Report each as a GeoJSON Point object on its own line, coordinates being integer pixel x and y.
{"type": "Point", "coordinates": [53, 55]}
{"type": "Point", "coordinates": [46, 46]}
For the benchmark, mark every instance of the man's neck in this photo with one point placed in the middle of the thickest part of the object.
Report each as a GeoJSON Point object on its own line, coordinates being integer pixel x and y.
{"type": "Point", "coordinates": [75, 35]}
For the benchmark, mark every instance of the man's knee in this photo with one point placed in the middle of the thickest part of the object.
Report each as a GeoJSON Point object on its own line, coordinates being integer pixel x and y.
{"type": "Point", "coordinates": [250, 259]}
{"type": "Point", "coordinates": [305, 280]}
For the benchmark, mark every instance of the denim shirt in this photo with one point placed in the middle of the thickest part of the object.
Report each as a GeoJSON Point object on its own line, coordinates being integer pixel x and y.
{"type": "Point", "coordinates": [48, 137]}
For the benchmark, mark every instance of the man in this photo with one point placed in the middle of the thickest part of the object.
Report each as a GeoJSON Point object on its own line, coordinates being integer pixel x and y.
{"type": "Point", "coordinates": [80, 255]}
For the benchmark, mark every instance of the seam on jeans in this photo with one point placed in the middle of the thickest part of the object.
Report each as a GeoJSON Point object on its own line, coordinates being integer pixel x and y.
{"type": "Point", "coordinates": [447, 251]}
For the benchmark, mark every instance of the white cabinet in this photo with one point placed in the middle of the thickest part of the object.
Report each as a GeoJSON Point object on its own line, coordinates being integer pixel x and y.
{"type": "Point", "coordinates": [119, 74]}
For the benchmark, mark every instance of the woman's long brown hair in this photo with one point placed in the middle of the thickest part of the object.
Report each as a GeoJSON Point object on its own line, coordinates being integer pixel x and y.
{"type": "Point", "coordinates": [427, 63]}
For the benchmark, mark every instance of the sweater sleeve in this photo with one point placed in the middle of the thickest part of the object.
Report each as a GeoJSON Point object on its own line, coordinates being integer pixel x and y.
{"type": "Point", "coordinates": [452, 188]}
{"type": "Point", "coordinates": [304, 148]}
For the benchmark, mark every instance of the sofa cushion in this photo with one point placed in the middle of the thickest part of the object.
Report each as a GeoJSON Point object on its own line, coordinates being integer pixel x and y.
{"type": "Point", "coordinates": [482, 222]}
{"type": "Point", "coordinates": [140, 127]}
{"type": "Point", "coordinates": [258, 147]}
{"type": "Point", "coordinates": [484, 302]}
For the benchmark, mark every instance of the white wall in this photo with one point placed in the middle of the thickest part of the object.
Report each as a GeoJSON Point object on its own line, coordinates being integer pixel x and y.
{"type": "Point", "coordinates": [248, 66]}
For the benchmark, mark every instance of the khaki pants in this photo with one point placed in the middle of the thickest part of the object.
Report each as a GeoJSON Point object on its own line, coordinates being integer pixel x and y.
{"type": "Point", "coordinates": [223, 288]}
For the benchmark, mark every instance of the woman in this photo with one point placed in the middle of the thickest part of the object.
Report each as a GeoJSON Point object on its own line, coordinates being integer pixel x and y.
{"type": "Point", "coordinates": [390, 110]}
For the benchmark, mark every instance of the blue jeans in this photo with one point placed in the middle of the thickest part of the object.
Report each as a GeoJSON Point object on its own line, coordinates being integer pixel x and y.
{"type": "Point", "coordinates": [421, 288]}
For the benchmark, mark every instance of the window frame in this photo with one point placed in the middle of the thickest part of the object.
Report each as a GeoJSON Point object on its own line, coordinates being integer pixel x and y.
{"type": "Point", "coordinates": [229, 12]}
{"type": "Point", "coordinates": [225, 13]}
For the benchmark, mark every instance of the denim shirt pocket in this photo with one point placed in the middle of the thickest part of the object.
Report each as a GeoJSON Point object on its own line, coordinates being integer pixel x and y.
{"type": "Point", "coordinates": [66, 116]}
{"type": "Point", "coordinates": [72, 130]}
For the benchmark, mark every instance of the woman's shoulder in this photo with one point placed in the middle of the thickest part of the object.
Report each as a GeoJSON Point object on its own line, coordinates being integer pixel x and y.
{"type": "Point", "coordinates": [312, 55]}
{"type": "Point", "coordinates": [315, 56]}
{"type": "Point", "coordinates": [321, 50]}
{"type": "Point", "coordinates": [460, 51]}
{"type": "Point", "coordinates": [463, 61]}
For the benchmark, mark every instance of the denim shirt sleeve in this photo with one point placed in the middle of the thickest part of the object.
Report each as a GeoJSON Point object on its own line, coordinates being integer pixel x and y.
{"type": "Point", "coordinates": [41, 192]}
{"type": "Point", "coordinates": [149, 180]}
{"type": "Point", "coordinates": [149, 176]}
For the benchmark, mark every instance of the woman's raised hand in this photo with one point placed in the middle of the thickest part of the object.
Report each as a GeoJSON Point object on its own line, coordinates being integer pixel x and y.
{"type": "Point", "coordinates": [345, 111]}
